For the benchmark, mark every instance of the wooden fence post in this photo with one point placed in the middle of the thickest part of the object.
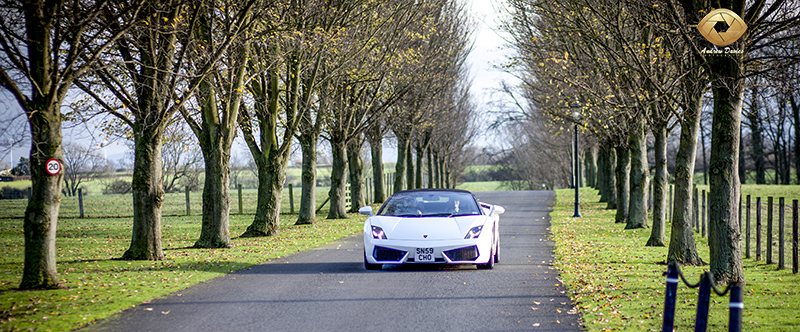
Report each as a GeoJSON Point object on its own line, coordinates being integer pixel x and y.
{"type": "Point", "coordinates": [703, 215]}
{"type": "Point", "coordinates": [240, 199]}
{"type": "Point", "coordinates": [188, 209]}
{"type": "Point", "coordinates": [291, 199]}
{"type": "Point", "coordinates": [781, 219]}
{"type": "Point", "coordinates": [758, 228]}
{"type": "Point", "coordinates": [80, 201]}
{"type": "Point", "coordinates": [747, 230]}
{"type": "Point", "coordinates": [794, 237]}
{"type": "Point", "coordinates": [694, 211]}
{"type": "Point", "coordinates": [769, 230]}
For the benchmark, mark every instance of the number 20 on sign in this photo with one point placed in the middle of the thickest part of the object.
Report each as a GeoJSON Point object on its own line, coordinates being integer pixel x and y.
{"type": "Point", "coordinates": [53, 167]}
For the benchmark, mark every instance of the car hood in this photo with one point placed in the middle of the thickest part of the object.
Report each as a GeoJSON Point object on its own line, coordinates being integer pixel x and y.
{"type": "Point", "coordinates": [435, 228]}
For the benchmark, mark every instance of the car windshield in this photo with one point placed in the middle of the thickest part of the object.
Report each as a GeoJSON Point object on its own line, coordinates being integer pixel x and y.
{"type": "Point", "coordinates": [430, 204]}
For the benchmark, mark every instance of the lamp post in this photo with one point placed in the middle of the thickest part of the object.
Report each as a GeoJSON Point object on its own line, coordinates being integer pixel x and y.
{"type": "Point", "coordinates": [576, 115]}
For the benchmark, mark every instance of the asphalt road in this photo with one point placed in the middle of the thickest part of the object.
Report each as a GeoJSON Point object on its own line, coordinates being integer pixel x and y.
{"type": "Point", "coordinates": [328, 289]}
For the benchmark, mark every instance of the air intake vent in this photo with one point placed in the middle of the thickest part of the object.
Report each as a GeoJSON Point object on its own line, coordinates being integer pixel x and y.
{"type": "Point", "coordinates": [387, 254]}
{"type": "Point", "coordinates": [463, 254]}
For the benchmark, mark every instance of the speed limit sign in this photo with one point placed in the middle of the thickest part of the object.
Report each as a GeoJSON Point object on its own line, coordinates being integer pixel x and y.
{"type": "Point", "coordinates": [53, 167]}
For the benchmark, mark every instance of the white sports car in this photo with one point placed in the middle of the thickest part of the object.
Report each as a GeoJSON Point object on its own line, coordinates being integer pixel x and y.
{"type": "Point", "coordinates": [432, 226]}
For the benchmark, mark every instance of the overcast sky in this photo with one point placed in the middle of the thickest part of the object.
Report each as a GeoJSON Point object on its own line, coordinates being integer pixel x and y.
{"type": "Point", "coordinates": [487, 53]}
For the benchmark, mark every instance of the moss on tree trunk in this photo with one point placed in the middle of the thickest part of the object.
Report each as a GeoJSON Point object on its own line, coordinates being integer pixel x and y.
{"type": "Point", "coordinates": [658, 234]}
{"type": "Point", "coordinates": [41, 215]}
{"type": "Point", "coordinates": [148, 195]}
{"type": "Point", "coordinates": [215, 230]}
{"type": "Point", "coordinates": [682, 247]}
{"type": "Point", "coordinates": [724, 240]}
{"type": "Point", "coordinates": [639, 178]}
{"type": "Point", "coordinates": [338, 180]}
{"type": "Point", "coordinates": [308, 195]}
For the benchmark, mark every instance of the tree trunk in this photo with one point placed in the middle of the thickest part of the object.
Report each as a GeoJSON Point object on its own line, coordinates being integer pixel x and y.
{"type": "Point", "coordinates": [611, 178]}
{"type": "Point", "coordinates": [590, 164]}
{"type": "Point", "coordinates": [308, 196]}
{"type": "Point", "coordinates": [215, 230]}
{"type": "Point", "coordinates": [622, 175]}
{"type": "Point", "coordinates": [601, 183]}
{"type": "Point", "coordinates": [724, 239]}
{"type": "Point", "coordinates": [757, 153]}
{"type": "Point", "coordinates": [411, 181]}
{"type": "Point", "coordinates": [447, 179]}
{"type": "Point", "coordinates": [796, 115]}
{"type": "Point", "coordinates": [705, 154]}
{"type": "Point", "coordinates": [742, 168]}
{"type": "Point", "coordinates": [430, 167]}
{"type": "Point", "coordinates": [400, 166]}
{"type": "Point", "coordinates": [355, 165]}
{"type": "Point", "coordinates": [41, 216]}
{"type": "Point", "coordinates": [338, 180]}
{"type": "Point", "coordinates": [682, 247]}
{"type": "Point", "coordinates": [272, 155]}
{"type": "Point", "coordinates": [420, 162]}
{"type": "Point", "coordinates": [220, 120]}
{"type": "Point", "coordinates": [639, 178]}
{"type": "Point", "coordinates": [148, 196]}
{"type": "Point", "coordinates": [376, 147]}
{"type": "Point", "coordinates": [783, 142]}
{"type": "Point", "coordinates": [657, 235]}
{"type": "Point", "coordinates": [271, 177]}
{"type": "Point", "coordinates": [438, 169]}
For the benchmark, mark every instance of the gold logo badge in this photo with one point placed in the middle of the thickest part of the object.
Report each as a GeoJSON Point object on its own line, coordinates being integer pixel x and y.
{"type": "Point", "coordinates": [713, 27]}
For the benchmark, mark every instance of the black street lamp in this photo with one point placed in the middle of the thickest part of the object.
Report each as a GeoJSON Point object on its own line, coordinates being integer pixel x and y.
{"type": "Point", "coordinates": [576, 115]}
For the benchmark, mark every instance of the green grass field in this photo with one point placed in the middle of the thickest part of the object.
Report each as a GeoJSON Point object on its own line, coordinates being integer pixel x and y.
{"type": "Point", "coordinates": [97, 285]}
{"type": "Point", "coordinates": [616, 282]}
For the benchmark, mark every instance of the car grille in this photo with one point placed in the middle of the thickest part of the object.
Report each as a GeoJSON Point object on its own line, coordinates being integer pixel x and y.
{"type": "Point", "coordinates": [387, 254]}
{"type": "Point", "coordinates": [463, 254]}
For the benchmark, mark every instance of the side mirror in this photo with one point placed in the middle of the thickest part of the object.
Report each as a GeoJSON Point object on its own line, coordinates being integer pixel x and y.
{"type": "Point", "coordinates": [499, 209]}
{"type": "Point", "coordinates": [367, 210]}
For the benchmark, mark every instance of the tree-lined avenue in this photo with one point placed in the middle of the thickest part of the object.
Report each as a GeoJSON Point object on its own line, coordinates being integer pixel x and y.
{"type": "Point", "coordinates": [327, 289]}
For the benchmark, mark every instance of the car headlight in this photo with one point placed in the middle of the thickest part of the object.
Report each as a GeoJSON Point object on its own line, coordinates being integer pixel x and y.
{"type": "Point", "coordinates": [473, 233]}
{"type": "Point", "coordinates": [377, 233]}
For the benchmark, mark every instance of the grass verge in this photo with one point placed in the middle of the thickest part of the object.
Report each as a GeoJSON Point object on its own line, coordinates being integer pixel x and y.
{"type": "Point", "coordinates": [616, 282]}
{"type": "Point", "coordinates": [98, 286]}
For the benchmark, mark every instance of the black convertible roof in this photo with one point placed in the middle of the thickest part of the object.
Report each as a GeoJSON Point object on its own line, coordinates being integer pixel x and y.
{"type": "Point", "coordinates": [434, 190]}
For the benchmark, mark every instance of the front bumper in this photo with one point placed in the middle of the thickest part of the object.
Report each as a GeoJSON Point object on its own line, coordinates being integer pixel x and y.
{"type": "Point", "coordinates": [473, 251]}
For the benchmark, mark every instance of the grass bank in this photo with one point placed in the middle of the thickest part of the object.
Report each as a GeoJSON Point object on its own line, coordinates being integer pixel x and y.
{"type": "Point", "coordinates": [97, 285]}
{"type": "Point", "coordinates": [616, 282]}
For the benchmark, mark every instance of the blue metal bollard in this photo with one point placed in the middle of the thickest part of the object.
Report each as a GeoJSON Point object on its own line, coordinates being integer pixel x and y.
{"type": "Point", "coordinates": [736, 306]}
{"type": "Point", "coordinates": [703, 299]}
{"type": "Point", "coordinates": [671, 296]}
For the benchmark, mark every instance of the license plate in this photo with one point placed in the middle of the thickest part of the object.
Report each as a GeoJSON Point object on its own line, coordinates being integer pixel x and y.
{"type": "Point", "coordinates": [424, 255]}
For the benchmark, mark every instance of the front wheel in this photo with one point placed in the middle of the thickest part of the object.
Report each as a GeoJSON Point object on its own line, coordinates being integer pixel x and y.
{"type": "Point", "coordinates": [490, 264]}
{"type": "Point", "coordinates": [497, 250]}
